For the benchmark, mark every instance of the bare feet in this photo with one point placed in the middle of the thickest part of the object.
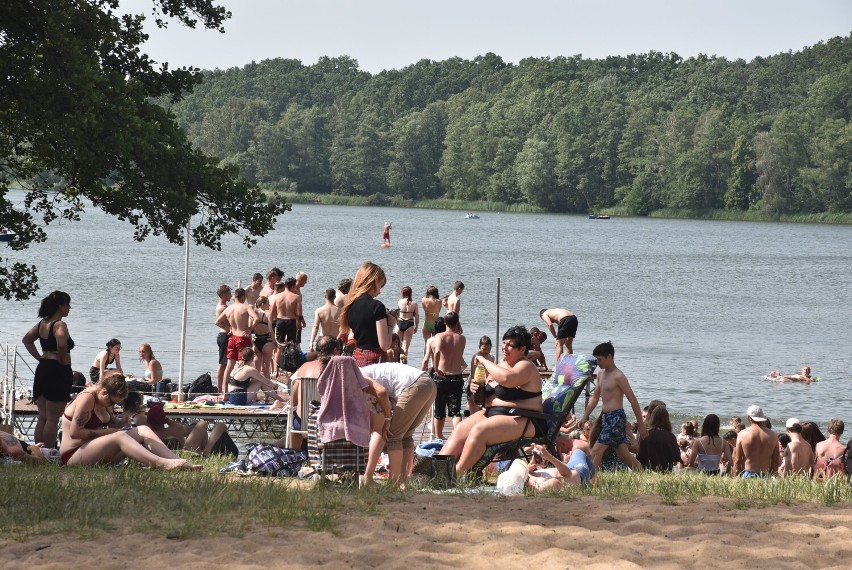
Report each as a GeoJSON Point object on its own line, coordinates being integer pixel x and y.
{"type": "Point", "coordinates": [178, 463]}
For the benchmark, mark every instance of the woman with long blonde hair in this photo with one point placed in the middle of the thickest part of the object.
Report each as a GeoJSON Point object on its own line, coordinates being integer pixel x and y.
{"type": "Point", "coordinates": [366, 317]}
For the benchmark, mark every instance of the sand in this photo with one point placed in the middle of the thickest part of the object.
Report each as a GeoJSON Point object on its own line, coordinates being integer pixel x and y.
{"type": "Point", "coordinates": [430, 531]}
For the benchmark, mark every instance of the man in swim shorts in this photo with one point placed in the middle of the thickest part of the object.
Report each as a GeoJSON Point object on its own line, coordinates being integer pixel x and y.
{"type": "Point", "coordinates": [613, 387]}
{"type": "Point", "coordinates": [284, 312]}
{"type": "Point", "coordinates": [224, 293]}
{"type": "Point", "coordinates": [235, 319]}
{"type": "Point", "coordinates": [756, 453]}
{"type": "Point", "coordinates": [448, 361]}
{"type": "Point", "coordinates": [566, 331]}
{"type": "Point", "coordinates": [386, 233]}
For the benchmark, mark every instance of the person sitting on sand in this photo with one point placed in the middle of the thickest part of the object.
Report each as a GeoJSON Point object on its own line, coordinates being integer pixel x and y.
{"type": "Point", "coordinates": [756, 453]}
{"type": "Point", "coordinates": [659, 450]}
{"type": "Point", "coordinates": [829, 453]}
{"type": "Point", "coordinates": [798, 456]}
{"type": "Point", "coordinates": [804, 377]}
{"type": "Point", "coordinates": [91, 435]}
{"type": "Point", "coordinates": [709, 451]}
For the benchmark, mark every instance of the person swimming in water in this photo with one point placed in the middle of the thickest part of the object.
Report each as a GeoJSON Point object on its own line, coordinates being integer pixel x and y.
{"type": "Point", "coordinates": [805, 377]}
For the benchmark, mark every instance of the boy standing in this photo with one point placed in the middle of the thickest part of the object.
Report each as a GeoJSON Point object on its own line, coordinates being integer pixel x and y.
{"type": "Point", "coordinates": [613, 386]}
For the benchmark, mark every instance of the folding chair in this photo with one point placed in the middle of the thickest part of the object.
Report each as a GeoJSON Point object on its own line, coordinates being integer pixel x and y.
{"type": "Point", "coordinates": [308, 392]}
{"type": "Point", "coordinates": [570, 377]}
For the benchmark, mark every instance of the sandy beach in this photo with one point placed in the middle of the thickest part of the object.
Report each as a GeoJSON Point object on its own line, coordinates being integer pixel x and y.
{"type": "Point", "coordinates": [486, 532]}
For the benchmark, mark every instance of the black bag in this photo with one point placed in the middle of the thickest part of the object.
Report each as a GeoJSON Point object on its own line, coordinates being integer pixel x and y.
{"type": "Point", "coordinates": [437, 471]}
{"type": "Point", "coordinates": [291, 358]}
{"type": "Point", "coordinates": [139, 386]}
{"type": "Point", "coordinates": [201, 385]}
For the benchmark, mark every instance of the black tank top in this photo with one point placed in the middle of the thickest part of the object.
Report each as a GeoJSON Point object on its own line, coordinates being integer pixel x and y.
{"type": "Point", "coordinates": [49, 344]}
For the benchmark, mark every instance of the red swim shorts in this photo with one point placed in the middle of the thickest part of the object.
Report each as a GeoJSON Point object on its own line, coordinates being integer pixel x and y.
{"type": "Point", "coordinates": [236, 344]}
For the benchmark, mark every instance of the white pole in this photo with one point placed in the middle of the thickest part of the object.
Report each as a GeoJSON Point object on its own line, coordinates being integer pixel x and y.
{"type": "Point", "coordinates": [183, 319]}
{"type": "Point", "coordinates": [497, 336]}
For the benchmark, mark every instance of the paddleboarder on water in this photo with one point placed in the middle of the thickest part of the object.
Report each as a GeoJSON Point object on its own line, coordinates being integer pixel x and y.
{"type": "Point", "coordinates": [386, 234]}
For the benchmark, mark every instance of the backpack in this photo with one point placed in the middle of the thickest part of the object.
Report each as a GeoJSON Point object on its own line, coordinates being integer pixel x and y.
{"type": "Point", "coordinates": [201, 385]}
{"type": "Point", "coordinates": [291, 358]}
{"type": "Point", "coordinates": [267, 459]}
{"type": "Point", "coordinates": [225, 446]}
{"type": "Point", "coordinates": [139, 386]}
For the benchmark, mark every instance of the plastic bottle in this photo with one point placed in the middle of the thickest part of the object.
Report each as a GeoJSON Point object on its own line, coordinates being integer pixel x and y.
{"type": "Point", "coordinates": [479, 376]}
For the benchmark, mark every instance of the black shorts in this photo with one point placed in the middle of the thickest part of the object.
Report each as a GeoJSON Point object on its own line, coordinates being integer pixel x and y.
{"type": "Point", "coordinates": [222, 342]}
{"type": "Point", "coordinates": [567, 327]}
{"type": "Point", "coordinates": [448, 397]}
{"type": "Point", "coordinates": [285, 330]}
{"type": "Point", "coordinates": [53, 381]}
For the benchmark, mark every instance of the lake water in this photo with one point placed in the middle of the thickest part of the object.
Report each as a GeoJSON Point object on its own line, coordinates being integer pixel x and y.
{"type": "Point", "coordinates": [698, 311]}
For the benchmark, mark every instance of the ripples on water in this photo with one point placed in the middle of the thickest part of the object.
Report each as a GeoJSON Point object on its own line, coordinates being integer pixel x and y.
{"type": "Point", "coordinates": [698, 311]}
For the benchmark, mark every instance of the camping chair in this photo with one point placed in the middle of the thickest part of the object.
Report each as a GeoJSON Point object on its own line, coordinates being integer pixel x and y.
{"type": "Point", "coordinates": [571, 375]}
{"type": "Point", "coordinates": [339, 457]}
{"type": "Point", "coordinates": [308, 392]}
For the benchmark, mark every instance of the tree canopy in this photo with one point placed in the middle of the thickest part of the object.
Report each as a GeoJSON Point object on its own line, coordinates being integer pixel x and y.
{"type": "Point", "coordinates": [85, 115]}
{"type": "Point", "coordinates": [642, 132]}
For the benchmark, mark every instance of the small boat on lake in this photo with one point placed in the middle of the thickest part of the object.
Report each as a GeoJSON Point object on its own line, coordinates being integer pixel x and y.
{"type": "Point", "coordinates": [470, 216]}
{"type": "Point", "coordinates": [6, 235]}
{"type": "Point", "coordinates": [598, 217]}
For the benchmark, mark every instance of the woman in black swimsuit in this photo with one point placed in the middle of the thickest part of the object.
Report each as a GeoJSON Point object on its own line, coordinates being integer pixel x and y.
{"type": "Point", "coordinates": [516, 384]}
{"type": "Point", "coordinates": [246, 381]}
{"type": "Point", "coordinates": [53, 375]}
{"type": "Point", "coordinates": [409, 319]}
{"type": "Point", "coordinates": [263, 336]}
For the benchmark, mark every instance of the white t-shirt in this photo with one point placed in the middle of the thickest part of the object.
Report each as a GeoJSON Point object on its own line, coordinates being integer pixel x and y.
{"type": "Point", "coordinates": [394, 376]}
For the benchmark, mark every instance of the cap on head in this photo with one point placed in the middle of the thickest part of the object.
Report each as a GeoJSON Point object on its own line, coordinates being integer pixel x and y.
{"type": "Point", "coordinates": [793, 421]}
{"type": "Point", "coordinates": [756, 413]}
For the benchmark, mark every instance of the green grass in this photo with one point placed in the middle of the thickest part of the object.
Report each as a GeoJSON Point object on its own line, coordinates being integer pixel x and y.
{"type": "Point", "coordinates": [87, 502]}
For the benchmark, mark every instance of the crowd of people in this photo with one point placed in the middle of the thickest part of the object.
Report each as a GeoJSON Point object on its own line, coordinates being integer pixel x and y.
{"type": "Point", "coordinates": [258, 330]}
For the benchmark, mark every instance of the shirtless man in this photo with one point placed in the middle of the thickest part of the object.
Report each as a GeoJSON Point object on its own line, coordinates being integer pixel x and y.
{"type": "Point", "coordinates": [564, 335]}
{"type": "Point", "coordinates": [236, 320]}
{"type": "Point", "coordinates": [798, 455]}
{"type": "Point", "coordinates": [613, 387]}
{"type": "Point", "coordinates": [829, 453]}
{"type": "Point", "coordinates": [253, 290]}
{"type": "Point", "coordinates": [301, 281]}
{"type": "Point", "coordinates": [342, 291]}
{"type": "Point", "coordinates": [453, 301]}
{"type": "Point", "coordinates": [284, 312]}
{"type": "Point", "coordinates": [224, 293]}
{"type": "Point", "coordinates": [431, 304]}
{"type": "Point", "coordinates": [805, 377]}
{"type": "Point", "coordinates": [325, 318]}
{"type": "Point", "coordinates": [273, 277]}
{"type": "Point", "coordinates": [448, 361]}
{"type": "Point", "coordinates": [386, 233]}
{"type": "Point", "coordinates": [756, 453]}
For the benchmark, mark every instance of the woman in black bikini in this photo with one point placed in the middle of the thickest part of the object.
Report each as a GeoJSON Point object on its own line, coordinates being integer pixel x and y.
{"type": "Point", "coordinates": [246, 381]}
{"type": "Point", "coordinates": [91, 435]}
{"type": "Point", "coordinates": [104, 358]}
{"type": "Point", "coordinates": [263, 335]}
{"type": "Point", "coordinates": [514, 383]}
{"type": "Point", "coordinates": [53, 376]}
{"type": "Point", "coordinates": [409, 319]}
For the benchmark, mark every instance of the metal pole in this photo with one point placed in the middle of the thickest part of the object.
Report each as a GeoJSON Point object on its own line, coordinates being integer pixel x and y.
{"type": "Point", "coordinates": [183, 319]}
{"type": "Point", "coordinates": [497, 336]}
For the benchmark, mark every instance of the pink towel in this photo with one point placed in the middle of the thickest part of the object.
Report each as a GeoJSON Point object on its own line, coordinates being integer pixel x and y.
{"type": "Point", "coordinates": [343, 413]}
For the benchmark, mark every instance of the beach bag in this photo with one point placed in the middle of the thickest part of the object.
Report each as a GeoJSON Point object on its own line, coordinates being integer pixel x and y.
{"type": "Point", "coordinates": [201, 385]}
{"type": "Point", "coordinates": [291, 358]}
{"type": "Point", "coordinates": [138, 386]}
{"type": "Point", "coordinates": [267, 459]}
{"type": "Point", "coordinates": [430, 469]}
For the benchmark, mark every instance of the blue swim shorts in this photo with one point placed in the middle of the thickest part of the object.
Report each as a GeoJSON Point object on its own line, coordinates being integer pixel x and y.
{"type": "Point", "coordinates": [614, 428]}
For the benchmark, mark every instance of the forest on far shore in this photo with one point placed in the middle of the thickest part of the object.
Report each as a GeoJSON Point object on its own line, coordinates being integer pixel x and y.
{"type": "Point", "coordinates": [639, 133]}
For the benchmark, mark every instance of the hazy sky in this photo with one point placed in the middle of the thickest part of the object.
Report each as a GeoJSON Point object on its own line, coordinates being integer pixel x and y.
{"type": "Point", "coordinates": [388, 34]}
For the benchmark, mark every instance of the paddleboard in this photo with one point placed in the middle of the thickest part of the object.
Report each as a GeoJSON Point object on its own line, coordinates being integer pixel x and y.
{"type": "Point", "coordinates": [385, 245]}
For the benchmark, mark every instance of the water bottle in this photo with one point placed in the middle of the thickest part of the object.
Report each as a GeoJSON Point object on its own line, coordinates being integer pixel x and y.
{"type": "Point", "coordinates": [479, 377]}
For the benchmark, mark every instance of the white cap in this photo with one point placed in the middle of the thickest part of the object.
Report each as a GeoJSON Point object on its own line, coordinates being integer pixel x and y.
{"type": "Point", "coordinates": [756, 413]}
{"type": "Point", "coordinates": [793, 421]}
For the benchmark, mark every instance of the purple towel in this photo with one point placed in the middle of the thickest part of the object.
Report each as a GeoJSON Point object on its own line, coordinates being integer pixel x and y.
{"type": "Point", "coordinates": [344, 413]}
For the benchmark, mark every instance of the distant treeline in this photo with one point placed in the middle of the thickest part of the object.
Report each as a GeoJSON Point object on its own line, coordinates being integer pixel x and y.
{"type": "Point", "coordinates": [640, 133]}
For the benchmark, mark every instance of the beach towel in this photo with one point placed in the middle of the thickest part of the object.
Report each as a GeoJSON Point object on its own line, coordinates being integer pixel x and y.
{"type": "Point", "coordinates": [571, 369]}
{"type": "Point", "coordinates": [343, 413]}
